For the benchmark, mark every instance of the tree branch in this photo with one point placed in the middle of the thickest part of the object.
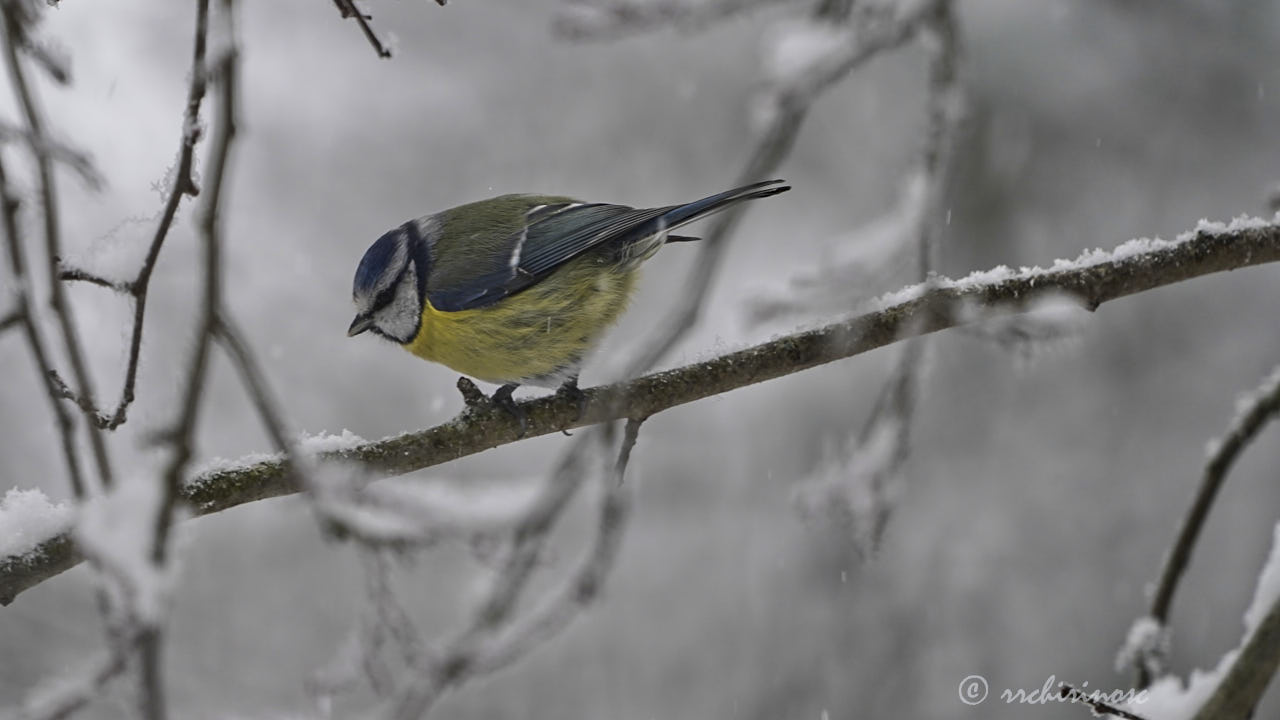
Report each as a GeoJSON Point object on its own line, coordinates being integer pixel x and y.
{"type": "Point", "coordinates": [37, 140]}
{"type": "Point", "coordinates": [1238, 694]}
{"type": "Point", "coordinates": [1263, 406]}
{"type": "Point", "coordinates": [35, 338]}
{"type": "Point", "coordinates": [348, 9]}
{"type": "Point", "coordinates": [184, 184]}
{"type": "Point", "coordinates": [1094, 279]}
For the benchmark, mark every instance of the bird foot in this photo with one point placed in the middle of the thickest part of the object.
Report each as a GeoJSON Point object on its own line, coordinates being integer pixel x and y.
{"type": "Point", "coordinates": [571, 391]}
{"type": "Point", "coordinates": [502, 398]}
{"type": "Point", "coordinates": [471, 395]}
{"type": "Point", "coordinates": [477, 401]}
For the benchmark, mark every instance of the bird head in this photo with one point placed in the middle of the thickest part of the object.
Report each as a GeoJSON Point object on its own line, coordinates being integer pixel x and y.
{"type": "Point", "coordinates": [390, 285]}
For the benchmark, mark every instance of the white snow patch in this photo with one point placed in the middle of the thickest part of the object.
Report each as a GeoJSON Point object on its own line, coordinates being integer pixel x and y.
{"type": "Point", "coordinates": [1147, 640]}
{"type": "Point", "coordinates": [116, 529]}
{"type": "Point", "coordinates": [221, 464]}
{"type": "Point", "coordinates": [1133, 248]}
{"type": "Point", "coordinates": [1268, 590]}
{"type": "Point", "coordinates": [323, 442]}
{"type": "Point", "coordinates": [28, 518]}
{"type": "Point", "coordinates": [1168, 700]}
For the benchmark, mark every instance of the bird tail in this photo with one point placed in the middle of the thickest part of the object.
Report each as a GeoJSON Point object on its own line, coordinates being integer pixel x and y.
{"type": "Point", "coordinates": [651, 234]}
{"type": "Point", "coordinates": [679, 215]}
{"type": "Point", "coordinates": [698, 209]}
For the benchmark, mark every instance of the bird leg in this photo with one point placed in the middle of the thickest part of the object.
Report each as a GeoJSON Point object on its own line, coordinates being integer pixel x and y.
{"type": "Point", "coordinates": [571, 391]}
{"type": "Point", "coordinates": [502, 398]}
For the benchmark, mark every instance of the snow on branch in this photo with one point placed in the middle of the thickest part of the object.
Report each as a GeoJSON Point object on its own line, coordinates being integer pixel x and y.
{"type": "Point", "coordinates": [1092, 279]}
{"type": "Point", "coordinates": [1232, 689]}
{"type": "Point", "coordinates": [1253, 411]}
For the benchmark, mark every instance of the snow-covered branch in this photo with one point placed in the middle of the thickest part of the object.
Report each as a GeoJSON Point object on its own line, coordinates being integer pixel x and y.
{"type": "Point", "coordinates": [1148, 641]}
{"type": "Point", "coordinates": [1091, 279]}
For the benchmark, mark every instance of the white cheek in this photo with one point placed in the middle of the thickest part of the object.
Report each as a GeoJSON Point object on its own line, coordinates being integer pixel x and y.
{"type": "Point", "coordinates": [400, 317]}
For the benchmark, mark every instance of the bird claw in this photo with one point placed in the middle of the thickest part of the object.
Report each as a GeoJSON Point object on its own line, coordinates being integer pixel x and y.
{"type": "Point", "coordinates": [570, 390]}
{"type": "Point", "coordinates": [502, 398]}
{"type": "Point", "coordinates": [471, 394]}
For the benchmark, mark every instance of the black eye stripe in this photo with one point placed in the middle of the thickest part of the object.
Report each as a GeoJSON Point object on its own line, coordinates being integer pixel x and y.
{"type": "Point", "coordinates": [385, 297]}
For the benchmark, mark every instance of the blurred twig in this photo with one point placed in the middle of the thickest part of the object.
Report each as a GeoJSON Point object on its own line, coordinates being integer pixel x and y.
{"type": "Point", "coordinates": [885, 437]}
{"type": "Point", "coordinates": [496, 636]}
{"type": "Point", "coordinates": [180, 436]}
{"type": "Point", "coordinates": [1240, 690]}
{"type": "Point", "coordinates": [70, 157]}
{"type": "Point", "coordinates": [69, 697]}
{"type": "Point", "coordinates": [873, 34]}
{"type": "Point", "coordinates": [31, 330]}
{"type": "Point", "coordinates": [1093, 280]}
{"type": "Point", "coordinates": [1255, 411]}
{"type": "Point", "coordinates": [183, 184]}
{"type": "Point", "coordinates": [17, 36]}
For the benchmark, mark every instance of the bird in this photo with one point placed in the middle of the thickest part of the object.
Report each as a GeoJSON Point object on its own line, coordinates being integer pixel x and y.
{"type": "Point", "coordinates": [518, 289]}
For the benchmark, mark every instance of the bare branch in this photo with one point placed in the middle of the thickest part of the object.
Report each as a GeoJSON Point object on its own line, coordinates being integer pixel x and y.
{"type": "Point", "coordinates": [181, 434]}
{"type": "Point", "coordinates": [1093, 279]}
{"type": "Point", "coordinates": [183, 185]}
{"type": "Point", "coordinates": [860, 493]}
{"type": "Point", "coordinates": [16, 36]}
{"type": "Point", "coordinates": [71, 274]}
{"type": "Point", "coordinates": [560, 607]}
{"type": "Point", "coordinates": [1240, 691]}
{"type": "Point", "coordinates": [496, 637]}
{"type": "Point", "coordinates": [34, 337]}
{"type": "Point", "coordinates": [68, 696]}
{"type": "Point", "coordinates": [10, 320]}
{"type": "Point", "coordinates": [348, 9]}
{"type": "Point", "coordinates": [72, 158]}
{"type": "Point", "coordinates": [791, 107]}
{"type": "Point", "coordinates": [1260, 407]}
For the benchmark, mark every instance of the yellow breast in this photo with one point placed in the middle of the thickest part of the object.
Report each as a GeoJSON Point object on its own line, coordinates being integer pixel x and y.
{"type": "Point", "coordinates": [539, 336]}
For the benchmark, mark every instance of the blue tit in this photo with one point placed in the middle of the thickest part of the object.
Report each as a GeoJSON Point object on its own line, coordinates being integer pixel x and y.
{"type": "Point", "coordinates": [517, 289]}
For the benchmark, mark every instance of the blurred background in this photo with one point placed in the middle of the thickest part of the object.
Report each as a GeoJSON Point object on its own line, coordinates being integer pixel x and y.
{"type": "Point", "coordinates": [1040, 497]}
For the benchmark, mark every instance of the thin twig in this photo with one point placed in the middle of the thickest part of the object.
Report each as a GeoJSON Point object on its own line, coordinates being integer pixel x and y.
{"type": "Point", "coordinates": [348, 9]}
{"type": "Point", "coordinates": [1263, 406]}
{"type": "Point", "coordinates": [561, 606]}
{"type": "Point", "coordinates": [773, 147]}
{"type": "Point", "coordinates": [896, 407]}
{"type": "Point", "coordinates": [15, 36]}
{"type": "Point", "coordinates": [496, 638]}
{"type": "Point", "coordinates": [11, 320]}
{"type": "Point", "coordinates": [181, 434]}
{"type": "Point", "coordinates": [945, 304]}
{"type": "Point", "coordinates": [34, 336]}
{"type": "Point", "coordinates": [183, 185]}
{"type": "Point", "coordinates": [232, 340]}
{"type": "Point", "coordinates": [1241, 689]}
{"type": "Point", "coordinates": [70, 157]}
{"type": "Point", "coordinates": [78, 275]}
{"type": "Point", "coordinates": [71, 697]}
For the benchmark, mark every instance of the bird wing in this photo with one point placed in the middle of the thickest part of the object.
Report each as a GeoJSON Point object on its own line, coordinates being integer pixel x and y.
{"type": "Point", "coordinates": [553, 231]}
{"type": "Point", "coordinates": [500, 264]}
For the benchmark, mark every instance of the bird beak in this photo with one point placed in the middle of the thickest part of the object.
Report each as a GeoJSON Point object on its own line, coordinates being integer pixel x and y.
{"type": "Point", "coordinates": [359, 325]}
